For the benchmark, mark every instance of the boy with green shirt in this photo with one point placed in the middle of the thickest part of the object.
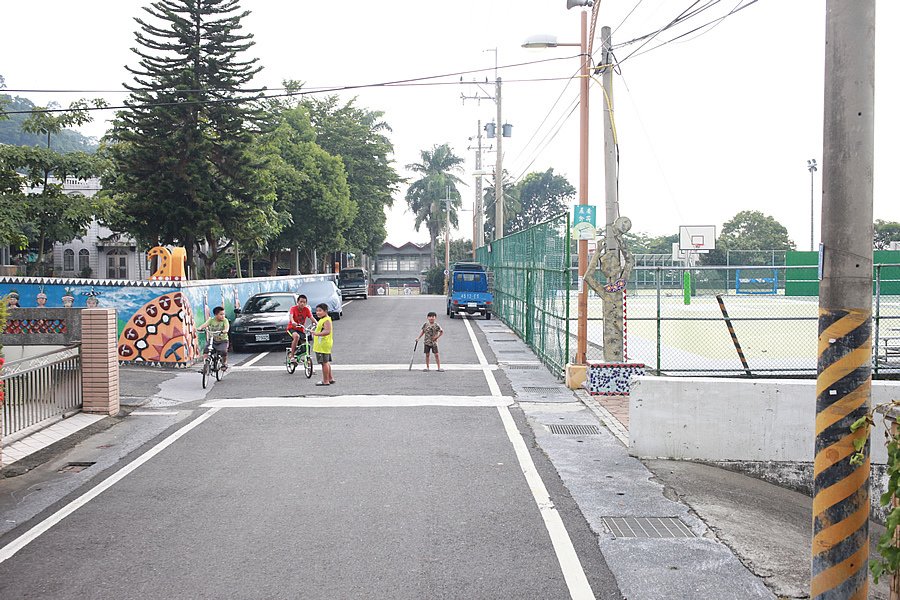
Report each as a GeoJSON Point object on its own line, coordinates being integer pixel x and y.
{"type": "Point", "coordinates": [218, 328]}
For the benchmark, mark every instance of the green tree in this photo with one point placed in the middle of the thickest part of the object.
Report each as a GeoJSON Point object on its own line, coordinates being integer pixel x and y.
{"type": "Point", "coordinates": [642, 243]}
{"type": "Point", "coordinates": [750, 230]}
{"type": "Point", "coordinates": [46, 123]}
{"type": "Point", "coordinates": [460, 251]}
{"type": "Point", "coordinates": [37, 205]}
{"type": "Point", "coordinates": [313, 197]}
{"type": "Point", "coordinates": [427, 196]}
{"type": "Point", "coordinates": [185, 169]}
{"type": "Point", "coordinates": [540, 196]}
{"type": "Point", "coordinates": [885, 233]}
{"type": "Point", "coordinates": [359, 137]}
{"type": "Point", "coordinates": [12, 132]}
{"type": "Point", "coordinates": [511, 205]}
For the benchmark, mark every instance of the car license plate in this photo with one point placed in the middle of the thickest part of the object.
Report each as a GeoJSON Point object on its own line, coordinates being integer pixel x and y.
{"type": "Point", "coordinates": [473, 305]}
{"type": "Point", "coordinates": [262, 337]}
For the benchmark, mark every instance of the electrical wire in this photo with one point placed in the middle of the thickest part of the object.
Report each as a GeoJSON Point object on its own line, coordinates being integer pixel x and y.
{"type": "Point", "coordinates": [715, 23]}
{"type": "Point", "coordinates": [283, 89]}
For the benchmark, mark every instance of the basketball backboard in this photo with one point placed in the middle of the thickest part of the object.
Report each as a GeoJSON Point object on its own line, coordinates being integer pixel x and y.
{"type": "Point", "coordinates": [697, 238]}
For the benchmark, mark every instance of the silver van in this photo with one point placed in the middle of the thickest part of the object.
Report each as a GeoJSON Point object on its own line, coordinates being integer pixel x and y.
{"type": "Point", "coordinates": [353, 282]}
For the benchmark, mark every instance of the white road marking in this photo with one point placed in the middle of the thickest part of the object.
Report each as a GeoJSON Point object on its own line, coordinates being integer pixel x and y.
{"type": "Point", "coordinates": [573, 571]}
{"type": "Point", "coordinates": [253, 360]}
{"type": "Point", "coordinates": [359, 401]}
{"type": "Point", "coordinates": [348, 302]}
{"type": "Point", "coordinates": [370, 367]}
{"type": "Point", "coordinates": [32, 534]}
{"type": "Point", "coordinates": [488, 374]}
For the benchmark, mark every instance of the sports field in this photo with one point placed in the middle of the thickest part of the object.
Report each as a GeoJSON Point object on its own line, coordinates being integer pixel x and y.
{"type": "Point", "coordinates": [778, 334]}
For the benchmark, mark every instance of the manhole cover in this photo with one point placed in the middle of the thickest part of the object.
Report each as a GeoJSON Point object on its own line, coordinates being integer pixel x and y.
{"type": "Point", "coordinates": [648, 527]}
{"type": "Point", "coordinates": [523, 367]}
{"type": "Point", "coordinates": [543, 389]}
{"type": "Point", "coordinates": [563, 429]}
{"type": "Point", "coordinates": [75, 467]}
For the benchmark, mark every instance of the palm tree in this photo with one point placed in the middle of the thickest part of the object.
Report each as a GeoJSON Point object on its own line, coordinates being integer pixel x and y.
{"type": "Point", "coordinates": [428, 194]}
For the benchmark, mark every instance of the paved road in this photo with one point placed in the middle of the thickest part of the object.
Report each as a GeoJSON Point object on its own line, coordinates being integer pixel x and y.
{"type": "Point", "coordinates": [389, 484]}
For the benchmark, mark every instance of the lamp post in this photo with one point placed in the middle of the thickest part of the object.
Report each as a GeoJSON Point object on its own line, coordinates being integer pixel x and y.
{"type": "Point", "coordinates": [550, 42]}
{"type": "Point", "coordinates": [811, 165]}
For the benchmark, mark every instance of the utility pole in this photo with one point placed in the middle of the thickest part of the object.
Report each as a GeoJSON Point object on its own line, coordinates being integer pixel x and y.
{"type": "Point", "coordinates": [498, 169]}
{"type": "Point", "coordinates": [583, 171]}
{"type": "Point", "coordinates": [447, 247]}
{"type": "Point", "coordinates": [478, 234]}
{"type": "Point", "coordinates": [844, 386]}
{"type": "Point", "coordinates": [609, 144]}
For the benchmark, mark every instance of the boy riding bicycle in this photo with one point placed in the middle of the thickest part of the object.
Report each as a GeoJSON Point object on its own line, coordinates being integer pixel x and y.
{"type": "Point", "coordinates": [300, 315]}
{"type": "Point", "coordinates": [218, 328]}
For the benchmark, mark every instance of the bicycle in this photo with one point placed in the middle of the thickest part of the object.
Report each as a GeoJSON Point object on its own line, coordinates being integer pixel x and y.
{"type": "Point", "coordinates": [212, 363]}
{"type": "Point", "coordinates": [301, 355]}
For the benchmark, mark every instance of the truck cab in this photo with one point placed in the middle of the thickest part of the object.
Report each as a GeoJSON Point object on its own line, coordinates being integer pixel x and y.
{"type": "Point", "coordinates": [469, 291]}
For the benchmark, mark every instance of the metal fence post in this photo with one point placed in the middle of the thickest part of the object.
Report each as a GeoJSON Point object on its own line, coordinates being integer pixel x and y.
{"type": "Point", "coordinates": [877, 337]}
{"type": "Point", "coordinates": [658, 321]}
{"type": "Point", "coordinates": [567, 266]}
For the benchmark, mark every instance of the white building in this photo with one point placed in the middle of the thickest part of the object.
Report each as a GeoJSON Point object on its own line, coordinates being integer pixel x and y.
{"type": "Point", "coordinates": [99, 253]}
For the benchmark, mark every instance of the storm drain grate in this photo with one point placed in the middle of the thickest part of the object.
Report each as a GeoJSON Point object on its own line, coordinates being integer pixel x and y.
{"type": "Point", "coordinates": [523, 367]}
{"type": "Point", "coordinates": [648, 527]}
{"type": "Point", "coordinates": [563, 429]}
{"type": "Point", "coordinates": [75, 467]}
{"type": "Point", "coordinates": [542, 389]}
{"type": "Point", "coordinates": [504, 341]}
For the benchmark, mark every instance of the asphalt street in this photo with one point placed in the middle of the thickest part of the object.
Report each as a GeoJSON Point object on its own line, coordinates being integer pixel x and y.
{"type": "Point", "coordinates": [389, 484]}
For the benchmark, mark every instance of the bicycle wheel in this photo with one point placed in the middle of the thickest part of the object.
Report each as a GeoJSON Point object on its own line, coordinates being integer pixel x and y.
{"type": "Point", "coordinates": [205, 371]}
{"type": "Point", "coordinates": [217, 367]}
{"type": "Point", "coordinates": [289, 363]}
{"type": "Point", "coordinates": [308, 365]}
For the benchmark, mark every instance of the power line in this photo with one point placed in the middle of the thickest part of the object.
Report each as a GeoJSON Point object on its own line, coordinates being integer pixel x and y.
{"type": "Point", "coordinates": [715, 23]}
{"type": "Point", "coordinates": [283, 89]}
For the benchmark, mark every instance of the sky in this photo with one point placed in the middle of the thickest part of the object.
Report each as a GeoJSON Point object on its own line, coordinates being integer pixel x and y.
{"type": "Point", "coordinates": [720, 121]}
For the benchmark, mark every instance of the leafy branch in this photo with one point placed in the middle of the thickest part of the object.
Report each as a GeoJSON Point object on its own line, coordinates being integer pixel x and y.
{"type": "Point", "coordinates": [888, 543]}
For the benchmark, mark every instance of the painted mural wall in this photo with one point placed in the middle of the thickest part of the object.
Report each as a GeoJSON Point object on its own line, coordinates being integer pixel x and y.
{"type": "Point", "coordinates": [156, 320]}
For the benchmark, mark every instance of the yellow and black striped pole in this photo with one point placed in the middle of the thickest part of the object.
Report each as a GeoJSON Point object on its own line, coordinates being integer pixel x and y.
{"type": "Point", "coordinates": [841, 504]}
{"type": "Point", "coordinates": [843, 390]}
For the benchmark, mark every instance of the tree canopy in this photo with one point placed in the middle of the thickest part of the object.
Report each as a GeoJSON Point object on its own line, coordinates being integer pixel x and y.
{"type": "Point", "coordinates": [13, 132]}
{"type": "Point", "coordinates": [358, 137]}
{"type": "Point", "coordinates": [427, 196]}
{"type": "Point", "coordinates": [885, 233]}
{"type": "Point", "coordinates": [185, 170]}
{"type": "Point", "coordinates": [750, 230]}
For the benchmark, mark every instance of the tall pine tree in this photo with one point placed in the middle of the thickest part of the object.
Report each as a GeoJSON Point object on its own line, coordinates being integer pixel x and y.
{"type": "Point", "coordinates": [185, 172]}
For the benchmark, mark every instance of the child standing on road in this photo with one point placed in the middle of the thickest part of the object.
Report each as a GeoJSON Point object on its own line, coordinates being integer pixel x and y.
{"type": "Point", "coordinates": [432, 332]}
{"type": "Point", "coordinates": [323, 343]}
{"type": "Point", "coordinates": [218, 328]}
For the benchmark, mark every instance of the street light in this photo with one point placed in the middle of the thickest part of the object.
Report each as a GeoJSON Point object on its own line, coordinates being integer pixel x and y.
{"type": "Point", "coordinates": [547, 41]}
{"type": "Point", "coordinates": [811, 165]}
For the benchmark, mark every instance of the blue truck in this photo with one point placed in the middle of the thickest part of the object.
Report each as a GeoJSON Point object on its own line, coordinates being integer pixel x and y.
{"type": "Point", "coordinates": [469, 291]}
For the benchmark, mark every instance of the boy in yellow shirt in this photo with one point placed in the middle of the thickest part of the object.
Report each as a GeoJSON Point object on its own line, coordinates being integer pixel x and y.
{"type": "Point", "coordinates": [323, 342]}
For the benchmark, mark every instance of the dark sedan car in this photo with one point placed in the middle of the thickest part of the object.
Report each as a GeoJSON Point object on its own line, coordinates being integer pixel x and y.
{"type": "Point", "coordinates": [263, 321]}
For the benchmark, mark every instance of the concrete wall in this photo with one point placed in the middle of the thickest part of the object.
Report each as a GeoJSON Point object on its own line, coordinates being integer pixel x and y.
{"type": "Point", "coordinates": [42, 327]}
{"type": "Point", "coordinates": [715, 420]}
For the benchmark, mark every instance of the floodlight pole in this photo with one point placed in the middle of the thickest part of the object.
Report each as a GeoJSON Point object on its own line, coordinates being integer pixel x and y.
{"type": "Point", "coordinates": [840, 544]}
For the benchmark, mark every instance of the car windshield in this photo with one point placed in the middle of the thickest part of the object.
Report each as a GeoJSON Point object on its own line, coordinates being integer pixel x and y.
{"type": "Point", "coordinates": [268, 304]}
{"type": "Point", "coordinates": [351, 276]}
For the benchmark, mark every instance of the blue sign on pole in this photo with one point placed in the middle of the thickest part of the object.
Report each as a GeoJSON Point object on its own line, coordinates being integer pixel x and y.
{"type": "Point", "coordinates": [585, 213]}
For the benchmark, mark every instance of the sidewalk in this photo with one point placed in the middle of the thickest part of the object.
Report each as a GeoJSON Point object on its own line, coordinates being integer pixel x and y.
{"type": "Point", "coordinates": [768, 528]}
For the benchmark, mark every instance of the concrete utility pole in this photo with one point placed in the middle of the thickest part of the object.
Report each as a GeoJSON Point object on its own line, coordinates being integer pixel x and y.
{"type": "Point", "coordinates": [447, 247]}
{"type": "Point", "coordinates": [478, 235]}
{"type": "Point", "coordinates": [609, 144]}
{"type": "Point", "coordinates": [498, 169]}
{"type": "Point", "coordinates": [841, 501]}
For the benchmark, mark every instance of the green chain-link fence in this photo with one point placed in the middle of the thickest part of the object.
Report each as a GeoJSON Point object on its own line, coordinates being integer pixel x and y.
{"type": "Point", "coordinates": [531, 284]}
